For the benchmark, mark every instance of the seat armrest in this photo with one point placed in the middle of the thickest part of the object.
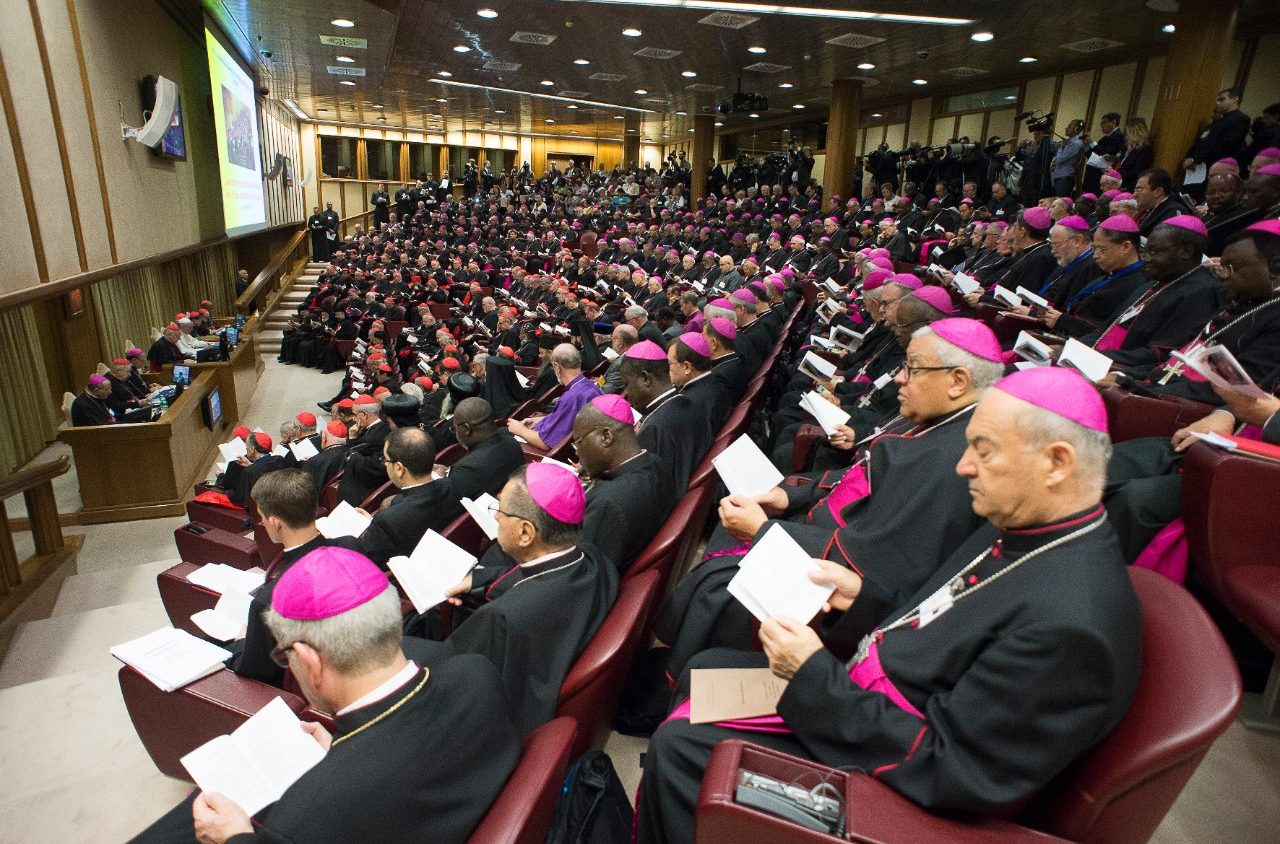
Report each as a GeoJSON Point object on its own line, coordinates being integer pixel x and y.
{"type": "Point", "coordinates": [1131, 416]}
{"type": "Point", "coordinates": [807, 435]}
{"type": "Point", "coordinates": [874, 813]}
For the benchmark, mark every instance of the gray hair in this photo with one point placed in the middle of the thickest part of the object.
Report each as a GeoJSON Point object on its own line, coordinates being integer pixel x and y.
{"type": "Point", "coordinates": [634, 311]}
{"type": "Point", "coordinates": [1040, 427]}
{"type": "Point", "coordinates": [982, 372]}
{"type": "Point", "coordinates": [567, 356]}
{"type": "Point", "coordinates": [355, 642]}
{"type": "Point", "coordinates": [710, 312]}
{"type": "Point", "coordinates": [288, 429]}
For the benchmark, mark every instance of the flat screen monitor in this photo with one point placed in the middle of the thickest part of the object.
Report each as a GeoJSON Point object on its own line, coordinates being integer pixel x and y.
{"type": "Point", "coordinates": [233, 336]}
{"type": "Point", "coordinates": [181, 374]}
{"type": "Point", "coordinates": [213, 409]}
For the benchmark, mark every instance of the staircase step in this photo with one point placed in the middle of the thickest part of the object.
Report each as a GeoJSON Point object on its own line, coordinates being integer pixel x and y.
{"type": "Point", "coordinates": [64, 644]}
{"type": "Point", "coordinates": [95, 590]}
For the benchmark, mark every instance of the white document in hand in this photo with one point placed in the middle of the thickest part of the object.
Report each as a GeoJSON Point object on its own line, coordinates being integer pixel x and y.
{"type": "Point", "coordinates": [280, 451]}
{"type": "Point", "coordinates": [1006, 296]}
{"type": "Point", "coordinates": [228, 618]}
{"type": "Point", "coordinates": [965, 283]}
{"type": "Point", "coordinates": [231, 450]}
{"type": "Point", "coordinates": [1033, 298]}
{"type": "Point", "coordinates": [1091, 364]}
{"type": "Point", "coordinates": [609, 353]}
{"type": "Point", "coordinates": [303, 450]}
{"type": "Point", "coordinates": [826, 414]}
{"type": "Point", "coordinates": [221, 578]}
{"type": "Point", "coordinates": [817, 368]}
{"type": "Point", "coordinates": [524, 382]}
{"type": "Point", "coordinates": [1031, 349]}
{"type": "Point", "coordinates": [435, 565]}
{"type": "Point", "coordinates": [744, 468]}
{"type": "Point", "coordinates": [344, 520]}
{"type": "Point", "coordinates": [773, 579]}
{"type": "Point", "coordinates": [171, 658]}
{"type": "Point", "coordinates": [480, 510]}
{"type": "Point", "coordinates": [258, 762]}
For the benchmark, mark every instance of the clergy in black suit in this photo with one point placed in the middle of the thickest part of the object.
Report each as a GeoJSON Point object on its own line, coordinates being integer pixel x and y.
{"type": "Point", "coordinates": [165, 349]}
{"type": "Point", "coordinates": [492, 453]}
{"type": "Point", "coordinates": [631, 490]}
{"type": "Point", "coordinates": [726, 366]}
{"type": "Point", "coordinates": [92, 407]}
{"type": "Point", "coordinates": [421, 504]}
{"type": "Point", "coordinates": [689, 365]}
{"type": "Point", "coordinates": [672, 426]}
{"type": "Point", "coordinates": [419, 753]}
{"type": "Point", "coordinates": [257, 461]}
{"type": "Point", "coordinates": [363, 471]}
{"type": "Point", "coordinates": [326, 465]}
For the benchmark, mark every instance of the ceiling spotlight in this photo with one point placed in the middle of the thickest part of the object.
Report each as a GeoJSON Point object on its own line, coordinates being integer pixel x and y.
{"type": "Point", "coordinates": [345, 59]}
{"type": "Point", "coordinates": [499, 111]}
{"type": "Point", "coordinates": [487, 13]}
{"type": "Point", "coordinates": [546, 83]}
{"type": "Point", "coordinates": [753, 114]}
{"type": "Point", "coordinates": [343, 22]}
{"type": "Point", "coordinates": [641, 92]}
{"type": "Point", "coordinates": [1010, 96]}
{"type": "Point", "coordinates": [378, 106]}
{"type": "Point", "coordinates": [618, 117]}
{"type": "Point", "coordinates": [1168, 28]}
{"type": "Point", "coordinates": [757, 49]}
{"type": "Point", "coordinates": [688, 74]}
{"type": "Point", "coordinates": [798, 105]}
{"type": "Point", "coordinates": [1026, 59]}
{"type": "Point", "coordinates": [876, 114]}
{"type": "Point", "coordinates": [785, 85]}
{"type": "Point", "coordinates": [442, 99]}
{"type": "Point", "coordinates": [866, 66]}
{"type": "Point", "coordinates": [446, 74]}
{"type": "Point", "coordinates": [346, 82]}
{"type": "Point", "coordinates": [548, 120]}
{"type": "Point", "coordinates": [571, 105]}
{"type": "Point", "coordinates": [982, 37]}
{"type": "Point", "coordinates": [581, 61]}
{"type": "Point", "coordinates": [631, 32]}
{"type": "Point", "coordinates": [462, 48]}
{"type": "Point", "coordinates": [681, 113]}
{"type": "Point", "coordinates": [690, 130]}
{"type": "Point", "coordinates": [717, 123]}
{"type": "Point", "coordinates": [631, 130]}
{"type": "Point", "coordinates": [919, 81]}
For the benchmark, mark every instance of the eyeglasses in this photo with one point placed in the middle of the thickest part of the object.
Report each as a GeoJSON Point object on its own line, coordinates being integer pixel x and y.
{"type": "Point", "coordinates": [280, 656]}
{"type": "Point", "coordinates": [495, 510]}
{"type": "Point", "coordinates": [912, 370]}
{"type": "Point", "coordinates": [897, 324]}
{"type": "Point", "coordinates": [578, 440]}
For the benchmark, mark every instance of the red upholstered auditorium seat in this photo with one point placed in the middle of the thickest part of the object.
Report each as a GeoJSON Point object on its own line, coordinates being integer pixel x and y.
{"type": "Point", "coordinates": [198, 543]}
{"type": "Point", "coordinates": [394, 327]}
{"type": "Point", "coordinates": [1117, 793]}
{"type": "Point", "coordinates": [182, 598]}
{"type": "Point", "coordinates": [233, 519]}
{"type": "Point", "coordinates": [524, 810]}
{"type": "Point", "coordinates": [1130, 416]}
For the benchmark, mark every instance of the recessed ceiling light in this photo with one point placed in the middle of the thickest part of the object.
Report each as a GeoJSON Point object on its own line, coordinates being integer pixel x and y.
{"type": "Point", "coordinates": [798, 105]}
{"type": "Point", "coordinates": [717, 123]}
{"type": "Point", "coordinates": [1026, 59]}
{"type": "Point", "coordinates": [486, 13]}
{"type": "Point", "coordinates": [499, 111]}
{"type": "Point", "coordinates": [785, 85]}
{"type": "Point", "coordinates": [757, 49]}
{"type": "Point", "coordinates": [690, 130]}
{"type": "Point", "coordinates": [688, 74]}
{"type": "Point", "coordinates": [346, 59]}
{"type": "Point", "coordinates": [377, 106]}
{"type": "Point", "coordinates": [632, 33]}
{"type": "Point", "coordinates": [866, 66]}
{"type": "Point", "coordinates": [346, 82]}
{"type": "Point", "coordinates": [919, 81]}
{"type": "Point", "coordinates": [549, 120]}
{"type": "Point", "coordinates": [1169, 28]}
{"type": "Point", "coordinates": [573, 131]}
{"type": "Point", "coordinates": [322, 110]}
{"type": "Point", "coordinates": [546, 83]}
{"type": "Point", "coordinates": [1011, 96]}
{"type": "Point", "coordinates": [641, 92]}
{"type": "Point", "coordinates": [571, 105]}
{"type": "Point", "coordinates": [581, 61]}
{"type": "Point", "coordinates": [631, 130]}
{"type": "Point", "coordinates": [343, 22]}
{"type": "Point", "coordinates": [876, 114]}
{"type": "Point", "coordinates": [681, 113]}
{"type": "Point", "coordinates": [442, 99]}
{"type": "Point", "coordinates": [753, 114]}
{"type": "Point", "coordinates": [462, 48]}
{"type": "Point", "coordinates": [446, 74]}
{"type": "Point", "coordinates": [618, 117]}
{"type": "Point", "coordinates": [982, 37]}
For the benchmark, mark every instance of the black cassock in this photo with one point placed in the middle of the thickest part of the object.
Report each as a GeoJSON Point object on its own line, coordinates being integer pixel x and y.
{"type": "Point", "coordinates": [486, 466]}
{"type": "Point", "coordinates": [537, 620]}
{"type": "Point", "coordinates": [90, 410]}
{"type": "Point", "coordinates": [428, 771]}
{"type": "Point", "coordinates": [679, 433]}
{"type": "Point", "coordinates": [1014, 681]}
{"type": "Point", "coordinates": [381, 208]}
{"type": "Point", "coordinates": [364, 470]}
{"type": "Point", "coordinates": [895, 537]}
{"type": "Point", "coordinates": [397, 528]}
{"type": "Point", "coordinates": [250, 474]}
{"type": "Point", "coordinates": [1171, 314]}
{"type": "Point", "coordinates": [319, 239]}
{"type": "Point", "coordinates": [626, 507]}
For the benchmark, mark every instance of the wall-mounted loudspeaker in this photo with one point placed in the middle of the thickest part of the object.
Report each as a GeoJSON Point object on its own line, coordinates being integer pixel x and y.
{"type": "Point", "coordinates": [158, 120]}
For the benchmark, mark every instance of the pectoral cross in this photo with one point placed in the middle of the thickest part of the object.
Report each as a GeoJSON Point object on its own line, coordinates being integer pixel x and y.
{"type": "Point", "coordinates": [1171, 371]}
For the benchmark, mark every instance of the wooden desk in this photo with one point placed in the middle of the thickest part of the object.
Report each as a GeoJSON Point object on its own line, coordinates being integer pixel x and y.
{"type": "Point", "coordinates": [147, 470]}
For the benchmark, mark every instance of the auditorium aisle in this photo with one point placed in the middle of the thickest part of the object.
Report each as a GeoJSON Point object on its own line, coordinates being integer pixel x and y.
{"type": "Point", "coordinates": [73, 769]}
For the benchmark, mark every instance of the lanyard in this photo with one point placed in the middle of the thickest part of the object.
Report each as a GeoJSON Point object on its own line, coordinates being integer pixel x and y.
{"type": "Point", "coordinates": [1053, 279]}
{"type": "Point", "coordinates": [1102, 282]}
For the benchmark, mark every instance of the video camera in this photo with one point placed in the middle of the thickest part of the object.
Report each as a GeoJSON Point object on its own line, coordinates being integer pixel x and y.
{"type": "Point", "coordinates": [1040, 123]}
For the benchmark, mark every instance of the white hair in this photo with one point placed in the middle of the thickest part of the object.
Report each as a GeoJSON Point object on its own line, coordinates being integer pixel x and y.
{"type": "Point", "coordinates": [355, 642]}
{"type": "Point", "coordinates": [1040, 427]}
{"type": "Point", "coordinates": [982, 372]}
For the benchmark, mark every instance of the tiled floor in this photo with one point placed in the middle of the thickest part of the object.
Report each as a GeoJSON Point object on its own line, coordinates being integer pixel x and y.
{"type": "Point", "coordinates": [74, 770]}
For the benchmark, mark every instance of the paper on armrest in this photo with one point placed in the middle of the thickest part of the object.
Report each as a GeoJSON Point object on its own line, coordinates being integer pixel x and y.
{"type": "Point", "coordinates": [228, 618]}
{"type": "Point", "coordinates": [744, 468]}
{"type": "Point", "coordinates": [257, 763]}
{"type": "Point", "coordinates": [480, 510]}
{"type": "Point", "coordinates": [773, 579]}
{"type": "Point", "coordinates": [171, 658]}
{"type": "Point", "coordinates": [827, 414]}
{"type": "Point", "coordinates": [1091, 364]}
{"type": "Point", "coordinates": [344, 520]}
{"type": "Point", "coordinates": [435, 565]}
{"type": "Point", "coordinates": [222, 578]}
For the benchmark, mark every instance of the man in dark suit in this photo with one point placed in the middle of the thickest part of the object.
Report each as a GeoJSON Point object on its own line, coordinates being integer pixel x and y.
{"type": "Point", "coordinates": [419, 505]}
{"type": "Point", "coordinates": [492, 453]}
{"type": "Point", "coordinates": [257, 461]}
{"type": "Point", "coordinates": [364, 472]}
{"type": "Point", "coordinates": [165, 349]}
{"type": "Point", "coordinates": [1224, 138]}
{"type": "Point", "coordinates": [1112, 143]}
{"type": "Point", "coordinates": [92, 407]}
{"type": "Point", "coordinates": [333, 454]}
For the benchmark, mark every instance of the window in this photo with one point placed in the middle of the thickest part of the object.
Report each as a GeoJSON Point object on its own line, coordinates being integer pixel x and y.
{"type": "Point", "coordinates": [337, 157]}
{"type": "Point", "coordinates": [383, 159]}
{"type": "Point", "coordinates": [981, 100]}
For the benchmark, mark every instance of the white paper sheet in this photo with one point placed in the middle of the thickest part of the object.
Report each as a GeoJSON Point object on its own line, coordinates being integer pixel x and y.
{"type": "Point", "coordinates": [773, 579]}
{"type": "Point", "coordinates": [344, 520]}
{"type": "Point", "coordinates": [1033, 298]}
{"type": "Point", "coordinates": [966, 284]}
{"type": "Point", "coordinates": [816, 368]}
{"type": "Point", "coordinates": [171, 658]}
{"type": "Point", "coordinates": [303, 450]}
{"type": "Point", "coordinates": [228, 618]}
{"type": "Point", "coordinates": [1007, 296]}
{"type": "Point", "coordinates": [1089, 363]}
{"type": "Point", "coordinates": [435, 565]}
{"type": "Point", "coordinates": [1030, 349]}
{"type": "Point", "coordinates": [479, 509]}
{"type": "Point", "coordinates": [824, 412]}
{"type": "Point", "coordinates": [744, 468]}
{"type": "Point", "coordinates": [231, 450]}
{"type": "Point", "coordinates": [1195, 175]}
{"type": "Point", "coordinates": [221, 578]}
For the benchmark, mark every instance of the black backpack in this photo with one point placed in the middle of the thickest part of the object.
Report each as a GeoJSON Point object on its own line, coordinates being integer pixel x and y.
{"type": "Point", "coordinates": [593, 806]}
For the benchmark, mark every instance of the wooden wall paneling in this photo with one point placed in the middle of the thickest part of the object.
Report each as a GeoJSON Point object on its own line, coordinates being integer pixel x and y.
{"type": "Point", "coordinates": [17, 259]}
{"type": "Point", "coordinates": [91, 124]}
{"type": "Point", "coordinates": [1073, 98]}
{"type": "Point", "coordinates": [971, 125]}
{"type": "Point", "coordinates": [1150, 90]}
{"type": "Point", "coordinates": [342, 196]}
{"type": "Point", "coordinates": [895, 135]}
{"type": "Point", "coordinates": [940, 131]}
{"type": "Point", "coordinates": [1135, 93]}
{"type": "Point", "coordinates": [362, 160]}
{"type": "Point", "coordinates": [1115, 93]}
{"type": "Point", "coordinates": [1094, 84]}
{"type": "Point", "coordinates": [317, 172]}
{"type": "Point", "coordinates": [1262, 80]}
{"type": "Point", "coordinates": [920, 119]}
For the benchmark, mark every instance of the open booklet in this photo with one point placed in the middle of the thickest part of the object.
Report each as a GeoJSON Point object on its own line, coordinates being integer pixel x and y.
{"type": "Point", "coordinates": [233, 449]}
{"type": "Point", "coordinates": [220, 578]}
{"type": "Point", "coordinates": [1220, 368]}
{"type": "Point", "coordinates": [1090, 363]}
{"type": "Point", "coordinates": [435, 565]}
{"type": "Point", "coordinates": [744, 468]}
{"type": "Point", "coordinates": [257, 763]}
{"type": "Point", "coordinates": [481, 510]}
{"type": "Point", "coordinates": [171, 658]}
{"type": "Point", "coordinates": [773, 579]}
{"type": "Point", "coordinates": [826, 414]}
{"type": "Point", "coordinates": [966, 283]}
{"type": "Point", "coordinates": [303, 450]}
{"type": "Point", "coordinates": [227, 619]}
{"type": "Point", "coordinates": [816, 367]}
{"type": "Point", "coordinates": [343, 520]}
{"type": "Point", "coordinates": [846, 338]}
{"type": "Point", "coordinates": [1030, 349]}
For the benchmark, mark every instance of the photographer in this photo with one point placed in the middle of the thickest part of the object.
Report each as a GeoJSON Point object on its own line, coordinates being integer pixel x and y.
{"type": "Point", "coordinates": [882, 163]}
{"type": "Point", "coordinates": [1036, 157]}
{"type": "Point", "coordinates": [1067, 159]}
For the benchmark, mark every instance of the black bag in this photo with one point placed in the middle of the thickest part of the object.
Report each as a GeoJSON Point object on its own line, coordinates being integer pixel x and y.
{"type": "Point", "coordinates": [593, 806]}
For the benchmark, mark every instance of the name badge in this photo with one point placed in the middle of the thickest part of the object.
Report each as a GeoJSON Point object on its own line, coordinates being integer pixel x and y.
{"type": "Point", "coordinates": [882, 380]}
{"type": "Point", "coordinates": [935, 605]}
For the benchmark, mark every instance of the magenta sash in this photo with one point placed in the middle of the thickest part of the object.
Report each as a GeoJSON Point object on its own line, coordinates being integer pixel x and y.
{"type": "Point", "coordinates": [1112, 340]}
{"type": "Point", "coordinates": [862, 379]}
{"type": "Point", "coordinates": [852, 487]}
{"type": "Point", "coordinates": [1166, 554]}
{"type": "Point", "coordinates": [868, 674]}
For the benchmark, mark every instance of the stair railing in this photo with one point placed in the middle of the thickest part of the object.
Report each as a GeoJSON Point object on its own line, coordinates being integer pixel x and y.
{"type": "Point", "coordinates": [19, 578]}
{"type": "Point", "coordinates": [275, 277]}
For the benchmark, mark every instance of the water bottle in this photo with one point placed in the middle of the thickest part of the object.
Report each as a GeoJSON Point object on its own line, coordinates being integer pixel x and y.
{"type": "Point", "coordinates": [164, 403]}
